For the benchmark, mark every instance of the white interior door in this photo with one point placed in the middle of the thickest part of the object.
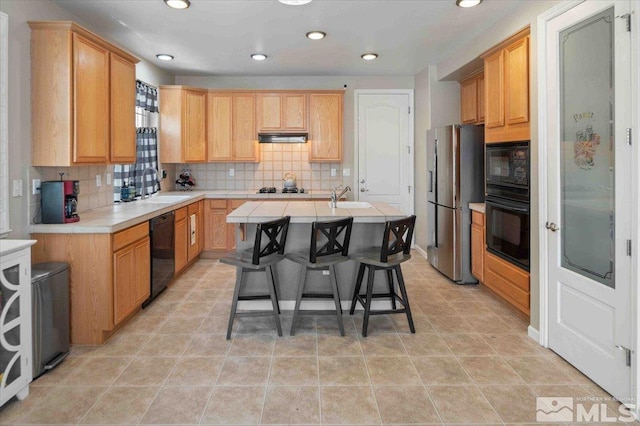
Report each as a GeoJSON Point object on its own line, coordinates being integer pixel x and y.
{"type": "Point", "coordinates": [385, 149]}
{"type": "Point", "coordinates": [589, 174]}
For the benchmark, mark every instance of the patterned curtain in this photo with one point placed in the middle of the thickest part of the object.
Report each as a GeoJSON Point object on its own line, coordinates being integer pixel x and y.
{"type": "Point", "coordinates": [146, 96]}
{"type": "Point", "coordinates": [146, 146]}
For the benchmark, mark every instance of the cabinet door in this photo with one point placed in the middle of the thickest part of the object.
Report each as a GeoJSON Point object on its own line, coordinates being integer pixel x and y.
{"type": "Point", "coordinates": [215, 217]}
{"type": "Point", "coordinates": [517, 81]}
{"type": "Point", "coordinates": [181, 241]}
{"type": "Point", "coordinates": [494, 85]}
{"type": "Point", "coordinates": [245, 145]}
{"type": "Point", "coordinates": [91, 101]}
{"type": "Point", "coordinates": [231, 227]}
{"type": "Point", "coordinates": [142, 283]}
{"type": "Point", "coordinates": [269, 107]}
{"type": "Point", "coordinates": [480, 104]}
{"type": "Point", "coordinates": [477, 251]}
{"type": "Point", "coordinates": [469, 100]}
{"type": "Point", "coordinates": [123, 104]}
{"type": "Point", "coordinates": [194, 126]}
{"type": "Point", "coordinates": [219, 126]}
{"type": "Point", "coordinates": [124, 277]}
{"type": "Point", "coordinates": [325, 127]}
{"type": "Point", "coordinates": [294, 111]}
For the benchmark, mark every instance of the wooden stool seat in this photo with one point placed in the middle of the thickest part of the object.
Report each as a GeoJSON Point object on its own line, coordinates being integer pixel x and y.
{"type": "Point", "coordinates": [395, 249]}
{"type": "Point", "coordinates": [329, 247]}
{"type": "Point", "coordinates": [262, 258]}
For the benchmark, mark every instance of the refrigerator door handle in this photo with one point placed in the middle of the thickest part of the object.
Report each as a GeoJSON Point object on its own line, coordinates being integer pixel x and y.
{"type": "Point", "coordinates": [430, 181]}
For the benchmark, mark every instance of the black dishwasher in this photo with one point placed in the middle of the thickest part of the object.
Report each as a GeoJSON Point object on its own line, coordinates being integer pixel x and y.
{"type": "Point", "coordinates": [161, 229]}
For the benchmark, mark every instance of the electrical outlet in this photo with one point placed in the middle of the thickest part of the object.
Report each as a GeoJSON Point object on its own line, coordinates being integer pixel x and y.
{"type": "Point", "coordinates": [232, 172]}
{"type": "Point", "coordinates": [98, 181]}
{"type": "Point", "coordinates": [17, 188]}
{"type": "Point", "coordinates": [346, 172]}
{"type": "Point", "coordinates": [325, 272]}
{"type": "Point", "coordinates": [35, 186]}
{"type": "Point", "coordinates": [108, 178]}
{"type": "Point", "coordinates": [333, 172]}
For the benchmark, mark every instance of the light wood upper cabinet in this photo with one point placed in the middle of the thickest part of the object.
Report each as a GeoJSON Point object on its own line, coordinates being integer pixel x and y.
{"type": "Point", "coordinates": [506, 69]}
{"type": "Point", "coordinates": [183, 129]}
{"type": "Point", "coordinates": [325, 126]}
{"type": "Point", "coordinates": [231, 127]}
{"type": "Point", "coordinates": [282, 112]}
{"type": "Point", "coordinates": [244, 135]}
{"type": "Point", "coordinates": [123, 104]}
{"type": "Point", "coordinates": [471, 91]}
{"type": "Point", "coordinates": [79, 106]}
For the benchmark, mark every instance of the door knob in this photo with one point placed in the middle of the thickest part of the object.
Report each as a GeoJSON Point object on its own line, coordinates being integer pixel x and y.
{"type": "Point", "coordinates": [552, 226]}
{"type": "Point", "coordinates": [362, 190]}
{"type": "Point", "coordinates": [362, 181]}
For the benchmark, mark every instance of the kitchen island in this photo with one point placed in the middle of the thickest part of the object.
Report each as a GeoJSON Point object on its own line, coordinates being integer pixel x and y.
{"type": "Point", "coordinates": [368, 227]}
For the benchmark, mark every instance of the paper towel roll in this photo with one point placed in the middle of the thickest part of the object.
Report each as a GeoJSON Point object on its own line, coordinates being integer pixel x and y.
{"type": "Point", "coordinates": [192, 218]}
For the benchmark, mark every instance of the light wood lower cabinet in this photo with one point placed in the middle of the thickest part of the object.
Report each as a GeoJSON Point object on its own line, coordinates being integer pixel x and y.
{"type": "Point", "coordinates": [195, 227]}
{"type": "Point", "coordinates": [477, 245]}
{"type": "Point", "coordinates": [508, 281]}
{"type": "Point", "coordinates": [220, 235]}
{"type": "Point", "coordinates": [109, 277]}
{"type": "Point", "coordinates": [188, 236]}
{"type": "Point", "coordinates": [181, 234]}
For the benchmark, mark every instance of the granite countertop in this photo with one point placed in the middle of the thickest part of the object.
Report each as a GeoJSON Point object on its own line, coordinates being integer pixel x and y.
{"type": "Point", "coordinates": [116, 217]}
{"type": "Point", "coordinates": [478, 207]}
{"type": "Point", "coordinates": [10, 246]}
{"type": "Point", "coordinates": [310, 211]}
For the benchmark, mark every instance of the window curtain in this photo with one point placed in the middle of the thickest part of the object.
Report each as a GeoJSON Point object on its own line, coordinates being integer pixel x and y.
{"type": "Point", "coordinates": [146, 148]}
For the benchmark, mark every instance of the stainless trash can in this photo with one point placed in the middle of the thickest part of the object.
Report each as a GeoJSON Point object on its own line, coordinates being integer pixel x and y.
{"type": "Point", "coordinates": [50, 315]}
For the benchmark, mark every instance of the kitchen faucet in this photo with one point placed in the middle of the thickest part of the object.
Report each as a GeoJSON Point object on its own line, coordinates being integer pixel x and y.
{"type": "Point", "coordinates": [335, 198]}
{"type": "Point", "coordinates": [143, 193]}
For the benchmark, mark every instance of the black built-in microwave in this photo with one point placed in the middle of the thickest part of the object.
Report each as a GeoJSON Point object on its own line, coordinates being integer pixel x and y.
{"type": "Point", "coordinates": [507, 170]}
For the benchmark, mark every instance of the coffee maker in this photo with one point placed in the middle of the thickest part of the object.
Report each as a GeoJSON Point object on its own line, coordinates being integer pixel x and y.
{"type": "Point", "coordinates": [59, 201]}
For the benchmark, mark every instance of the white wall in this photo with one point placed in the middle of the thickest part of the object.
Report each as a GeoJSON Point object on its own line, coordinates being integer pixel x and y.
{"type": "Point", "coordinates": [310, 83]}
{"type": "Point", "coordinates": [23, 209]}
{"type": "Point", "coordinates": [422, 124]}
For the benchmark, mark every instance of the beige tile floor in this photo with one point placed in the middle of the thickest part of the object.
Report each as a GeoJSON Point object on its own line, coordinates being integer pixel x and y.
{"type": "Point", "coordinates": [470, 362]}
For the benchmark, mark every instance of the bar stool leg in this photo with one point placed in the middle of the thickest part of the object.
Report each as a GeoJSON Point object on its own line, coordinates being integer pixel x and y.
{"type": "Point", "coordinates": [274, 278]}
{"type": "Point", "coordinates": [367, 306]}
{"type": "Point", "coordinates": [336, 297]}
{"type": "Point", "coordinates": [389, 273]}
{"type": "Point", "coordinates": [274, 299]}
{"type": "Point", "coordinates": [301, 283]}
{"type": "Point", "coordinates": [234, 303]}
{"type": "Point", "coordinates": [356, 289]}
{"type": "Point", "coordinates": [403, 291]}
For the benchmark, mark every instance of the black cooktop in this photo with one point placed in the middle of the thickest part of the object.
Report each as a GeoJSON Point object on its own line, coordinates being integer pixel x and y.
{"type": "Point", "coordinates": [267, 190]}
{"type": "Point", "coordinates": [273, 190]}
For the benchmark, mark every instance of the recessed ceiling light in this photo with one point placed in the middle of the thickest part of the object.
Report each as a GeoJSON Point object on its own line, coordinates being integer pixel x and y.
{"type": "Point", "coordinates": [294, 2]}
{"type": "Point", "coordinates": [316, 35]}
{"type": "Point", "coordinates": [258, 57]}
{"type": "Point", "coordinates": [369, 56]}
{"type": "Point", "coordinates": [178, 4]}
{"type": "Point", "coordinates": [164, 57]}
{"type": "Point", "coordinates": [468, 3]}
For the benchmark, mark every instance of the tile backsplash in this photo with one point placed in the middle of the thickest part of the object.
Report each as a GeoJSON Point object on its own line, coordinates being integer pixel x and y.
{"type": "Point", "coordinates": [276, 160]}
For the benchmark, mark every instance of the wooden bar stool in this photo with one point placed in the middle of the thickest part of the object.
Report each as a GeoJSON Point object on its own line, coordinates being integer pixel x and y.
{"type": "Point", "coordinates": [329, 246]}
{"type": "Point", "coordinates": [395, 249]}
{"type": "Point", "coordinates": [262, 258]}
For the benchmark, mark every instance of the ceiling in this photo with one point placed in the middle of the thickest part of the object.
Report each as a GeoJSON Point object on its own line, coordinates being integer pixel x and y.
{"type": "Point", "coordinates": [216, 37]}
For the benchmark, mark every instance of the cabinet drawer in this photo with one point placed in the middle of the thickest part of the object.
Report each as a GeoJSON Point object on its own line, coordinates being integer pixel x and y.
{"type": "Point", "coordinates": [234, 204]}
{"type": "Point", "coordinates": [477, 218]}
{"type": "Point", "coordinates": [130, 235]}
{"type": "Point", "coordinates": [193, 208]}
{"type": "Point", "coordinates": [501, 268]}
{"type": "Point", "coordinates": [180, 213]}
{"type": "Point", "coordinates": [217, 204]}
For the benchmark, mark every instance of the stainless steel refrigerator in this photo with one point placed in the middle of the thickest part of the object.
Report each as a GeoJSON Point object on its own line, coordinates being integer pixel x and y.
{"type": "Point", "coordinates": [455, 178]}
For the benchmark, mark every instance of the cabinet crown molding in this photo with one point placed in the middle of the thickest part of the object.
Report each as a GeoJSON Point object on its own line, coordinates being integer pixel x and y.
{"type": "Point", "coordinates": [522, 33]}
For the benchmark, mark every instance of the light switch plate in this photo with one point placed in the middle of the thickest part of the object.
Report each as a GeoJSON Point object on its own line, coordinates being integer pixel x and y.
{"type": "Point", "coordinates": [108, 178]}
{"type": "Point", "coordinates": [98, 181]}
{"type": "Point", "coordinates": [232, 172]}
{"type": "Point", "coordinates": [333, 172]}
{"type": "Point", "coordinates": [17, 188]}
{"type": "Point", "coordinates": [35, 186]}
{"type": "Point", "coordinates": [346, 172]}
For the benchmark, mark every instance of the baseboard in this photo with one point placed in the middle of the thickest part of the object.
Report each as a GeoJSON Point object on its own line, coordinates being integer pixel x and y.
{"type": "Point", "coordinates": [420, 251]}
{"type": "Point", "coordinates": [308, 305]}
{"type": "Point", "coordinates": [534, 334]}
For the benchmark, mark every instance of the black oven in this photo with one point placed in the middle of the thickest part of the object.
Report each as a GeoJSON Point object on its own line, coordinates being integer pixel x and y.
{"type": "Point", "coordinates": [507, 230]}
{"type": "Point", "coordinates": [507, 201]}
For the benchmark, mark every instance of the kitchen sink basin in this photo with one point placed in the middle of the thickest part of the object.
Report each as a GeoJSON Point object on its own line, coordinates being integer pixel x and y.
{"type": "Point", "coordinates": [167, 198]}
{"type": "Point", "coordinates": [353, 205]}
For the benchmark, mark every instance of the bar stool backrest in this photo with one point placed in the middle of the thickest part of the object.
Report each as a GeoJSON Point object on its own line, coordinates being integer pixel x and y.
{"type": "Point", "coordinates": [397, 237]}
{"type": "Point", "coordinates": [272, 230]}
{"type": "Point", "coordinates": [337, 234]}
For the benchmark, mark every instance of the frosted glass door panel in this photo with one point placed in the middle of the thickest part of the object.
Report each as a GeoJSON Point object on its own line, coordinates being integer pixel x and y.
{"type": "Point", "coordinates": [587, 154]}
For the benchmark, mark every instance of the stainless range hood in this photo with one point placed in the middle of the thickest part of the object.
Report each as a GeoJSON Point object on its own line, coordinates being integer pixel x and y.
{"type": "Point", "coordinates": [282, 138]}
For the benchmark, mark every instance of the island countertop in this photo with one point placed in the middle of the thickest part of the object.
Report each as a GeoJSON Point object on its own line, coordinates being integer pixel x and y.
{"type": "Point", "coordinates": [310, 211]}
